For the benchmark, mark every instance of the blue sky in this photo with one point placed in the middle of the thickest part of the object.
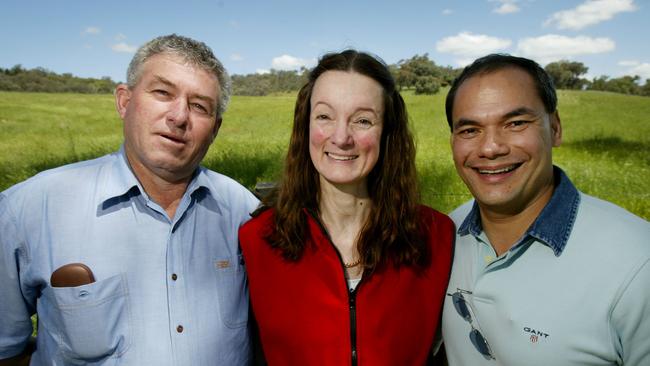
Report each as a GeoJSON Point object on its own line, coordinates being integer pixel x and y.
{"type": "Point", "coordinates": [98, 38]}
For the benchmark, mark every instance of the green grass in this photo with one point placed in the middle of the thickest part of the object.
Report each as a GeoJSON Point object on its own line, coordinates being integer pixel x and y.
{"type": "Point", "coordinates": [605, 150]}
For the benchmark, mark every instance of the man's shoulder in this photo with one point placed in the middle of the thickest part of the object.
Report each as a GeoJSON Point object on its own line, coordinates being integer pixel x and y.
{"type": "Point", "coordinates": [459, 214]}
{"type": "Point", "coordinates": [228, 191]}
{"type": "Point", "coordinates": [63, 178]}
{"type": "Point", "coordinates": [224, 183]}
{"type": "Point", "coordinates": [605, 219]}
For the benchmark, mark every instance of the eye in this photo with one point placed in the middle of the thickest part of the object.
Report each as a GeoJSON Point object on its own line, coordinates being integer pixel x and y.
{"type": "Point", "coordinates": [321, 117]}
{"type": "Point", "coordinates": [160, 92]}
{"type": "Point", "coordinates": [467, 132]}
{"type": "Point", "coordinates": [518, 124]}
{"type": "Point", "coordinates": [199, 108]}
{"type": "Point", "coordinates": [364, 122]}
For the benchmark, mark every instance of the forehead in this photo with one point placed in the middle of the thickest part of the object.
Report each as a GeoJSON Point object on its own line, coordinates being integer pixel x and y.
{"type": "Point", "coordinates": [347, 88]}
{"type": "Point", "coordinates": [178, 71]}
{"type": "Point", "coordinates": [497, 91]}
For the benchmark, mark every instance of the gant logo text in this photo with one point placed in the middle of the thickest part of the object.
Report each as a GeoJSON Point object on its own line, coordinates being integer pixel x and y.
{"type": "Point", "coordinates": [535, 335]}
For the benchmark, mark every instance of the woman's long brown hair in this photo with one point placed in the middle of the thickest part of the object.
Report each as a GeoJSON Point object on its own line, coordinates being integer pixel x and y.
{"type": "Point", "coordinates": [393, 231]}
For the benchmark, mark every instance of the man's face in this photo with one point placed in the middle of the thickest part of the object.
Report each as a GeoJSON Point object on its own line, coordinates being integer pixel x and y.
{"type": "Point", "coordinates": [502, 139]}
{"type": "Point", "coordinates": [169, 117]}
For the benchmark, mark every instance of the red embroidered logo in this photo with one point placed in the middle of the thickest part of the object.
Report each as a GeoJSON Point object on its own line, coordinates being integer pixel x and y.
{"type": "Point", "coordinates": [533, 338]}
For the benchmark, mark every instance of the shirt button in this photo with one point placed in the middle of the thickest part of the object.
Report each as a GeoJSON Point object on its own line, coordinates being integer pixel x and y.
{"type": "Point", "coordinates": [179, 329]}
{"type": "Point", "coordinates": [174, 276]}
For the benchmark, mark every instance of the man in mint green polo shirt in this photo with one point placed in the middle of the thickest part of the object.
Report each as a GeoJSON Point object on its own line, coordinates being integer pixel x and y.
{"type": "Point", "coordinates": [543, 274]}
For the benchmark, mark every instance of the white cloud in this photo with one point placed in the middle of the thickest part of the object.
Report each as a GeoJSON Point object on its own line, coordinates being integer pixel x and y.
{"type": "Point", "coordinates": [588, 13]}
{"type": "Point", "coordinates": [286, 62]}
{"type": "Point", "coordinates": [505, 6]}
{"type": "Point", "coordinates": [467, 46]}
{"type": "Point", "coordinates": [553, 47]}
{"type": "Point", "coordinates": [637, 68]}
{"type": "Point", "coordinates": [123, 47]}
{"type": "Point", "coordinates": [236, 57]}
{"type": "Point", "coordinates": [262, 71]}
{"type": "Point", "coordinates": [447, 12]}
{"type": "Point", "coordinates": [91, 30]}
{"type": "Point", "coordinates": [628, 63]}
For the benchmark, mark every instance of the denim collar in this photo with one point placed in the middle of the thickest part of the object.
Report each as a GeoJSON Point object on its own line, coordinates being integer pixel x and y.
{"type": "Point", "coordinates": [553, 225]}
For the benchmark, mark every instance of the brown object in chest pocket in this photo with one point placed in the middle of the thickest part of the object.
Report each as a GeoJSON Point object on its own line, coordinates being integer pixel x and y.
{"type": "Point", "coordinates": [72, 275]}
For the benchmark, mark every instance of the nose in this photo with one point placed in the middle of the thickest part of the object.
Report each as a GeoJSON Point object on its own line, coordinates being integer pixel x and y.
{"type": "Point", "coordinates": [341, 136]}
{"type": "Point", "coordinates": [493, 145]}
{"type": "Point", "coordinates": [178, 112]}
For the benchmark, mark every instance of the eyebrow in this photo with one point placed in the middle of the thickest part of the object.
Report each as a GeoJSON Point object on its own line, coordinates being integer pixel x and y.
{"type": "Point", "coordinates": [361, 109]}
{"type": "Point", "coordinates": [521, 111]}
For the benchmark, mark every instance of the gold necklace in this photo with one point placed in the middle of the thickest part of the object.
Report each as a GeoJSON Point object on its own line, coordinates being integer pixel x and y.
{"type": "Point", "coordinates": [352, 264]}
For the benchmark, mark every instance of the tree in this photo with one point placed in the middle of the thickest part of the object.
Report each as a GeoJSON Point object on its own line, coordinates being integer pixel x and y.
{"type": "Point", "coordinates": [567, 74]}
{"type": "Point", "coordinates": [624, 84]}
{"type": "Point", "coordinates": [427, 85]}
{"type": "Point", "coordinates": [645, 89]}
{"type": "Point", "coordinates": [418, 72]}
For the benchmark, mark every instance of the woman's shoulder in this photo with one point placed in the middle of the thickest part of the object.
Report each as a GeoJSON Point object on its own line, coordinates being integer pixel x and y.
{"type": "Point", "coordinates": [440, 231]}
{"type": "Point", "coordinates": [435, 217]}
{"type": "Point", "coordinates": [260, 222]}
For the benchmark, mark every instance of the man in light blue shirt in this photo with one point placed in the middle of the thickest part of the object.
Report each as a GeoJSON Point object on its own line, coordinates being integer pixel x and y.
{"type": "Point", "coordinates": [543, 274]}
{"type": "Point", "coordinates": [158, 232]}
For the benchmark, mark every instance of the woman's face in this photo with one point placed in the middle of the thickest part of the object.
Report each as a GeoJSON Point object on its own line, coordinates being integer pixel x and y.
{"type": "Point", "coordinates": [345, 126]}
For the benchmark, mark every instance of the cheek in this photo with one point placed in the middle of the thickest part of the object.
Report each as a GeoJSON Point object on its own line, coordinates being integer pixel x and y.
{"type": "Point", "coordinates": [369, 142]}
{"type": "Point", "coordinates": [317, 136]}
{"type": "Point", "coordinates": [204, 132]}
{"type": "Point", "coordinates": [460, 151]}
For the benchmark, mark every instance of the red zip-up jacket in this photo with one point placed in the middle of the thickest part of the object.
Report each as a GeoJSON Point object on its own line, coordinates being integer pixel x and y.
{"type": "Point", "coordinates": [307, 316]}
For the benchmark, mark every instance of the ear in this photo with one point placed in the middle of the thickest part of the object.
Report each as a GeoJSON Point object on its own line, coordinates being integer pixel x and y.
{"type": "Point", "coordinates": [217, 125]}
{"type": "Point", "coordinates": [122, 99]}
{"type": "Point", "coordinates": [556, 129]}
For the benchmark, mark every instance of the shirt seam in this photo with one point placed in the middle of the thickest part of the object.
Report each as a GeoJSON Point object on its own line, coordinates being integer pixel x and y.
{"type": "Point", "coordinates": [622, 289]}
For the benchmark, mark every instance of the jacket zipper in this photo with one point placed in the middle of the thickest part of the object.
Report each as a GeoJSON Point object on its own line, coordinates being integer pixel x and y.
{"type": "Point", "coordinates": [352, 299]}
{"type": "Point", "coordinates": [352, 294]}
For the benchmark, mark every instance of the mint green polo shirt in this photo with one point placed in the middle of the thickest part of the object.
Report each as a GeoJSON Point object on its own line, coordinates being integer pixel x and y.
{"type": "Point", "coordinates": [575, 289]}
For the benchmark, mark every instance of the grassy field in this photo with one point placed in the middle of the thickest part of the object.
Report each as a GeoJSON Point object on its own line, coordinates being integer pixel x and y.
{"type": "Point", "coordinates": [606, 148]}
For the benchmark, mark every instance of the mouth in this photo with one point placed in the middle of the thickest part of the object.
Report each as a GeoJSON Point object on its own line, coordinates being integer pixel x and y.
{"type": "Point", "coordinates": [341, 157]}
{"type": "Point", "coordinates": [496, 171]}
{"type": "Point", "coordinates": [173, 138]}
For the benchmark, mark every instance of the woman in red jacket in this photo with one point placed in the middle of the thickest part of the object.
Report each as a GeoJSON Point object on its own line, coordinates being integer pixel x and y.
{"type": "Point", "coordinates": [344, 266]}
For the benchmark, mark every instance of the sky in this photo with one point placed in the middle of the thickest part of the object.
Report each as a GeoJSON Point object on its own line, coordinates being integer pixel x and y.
{"type": "Point", "coordinates": [98, 38]}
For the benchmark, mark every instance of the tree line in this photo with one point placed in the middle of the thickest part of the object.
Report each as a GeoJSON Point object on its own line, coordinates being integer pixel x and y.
{"type": "Point", "coordinates": [418, 73]}
{"type": "Point", "coordinates": [39, 79]}
{"type": "Point", "coordinates": [569, 75]}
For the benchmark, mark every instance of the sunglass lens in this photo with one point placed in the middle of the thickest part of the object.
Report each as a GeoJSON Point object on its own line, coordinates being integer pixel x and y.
{"type": "Point", "coordinates": [461, 306]}
{"type": "Point", "coordinates": [480, 343]}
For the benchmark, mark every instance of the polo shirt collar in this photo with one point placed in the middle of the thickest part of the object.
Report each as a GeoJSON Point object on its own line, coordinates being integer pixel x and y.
{"type": "Point", "coordinates": [553, 225]}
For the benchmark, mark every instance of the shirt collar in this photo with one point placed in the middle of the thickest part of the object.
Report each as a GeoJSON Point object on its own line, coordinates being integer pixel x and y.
{"type": "Point", "coordinates": [553, 225]}
{"type": "Point", "coordinates": [120, 180]}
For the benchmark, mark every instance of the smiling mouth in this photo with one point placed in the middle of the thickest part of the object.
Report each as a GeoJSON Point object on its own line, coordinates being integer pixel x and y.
{"type": "Point", "coordinates": [342, 157]}
{"type": "Point", "coordinates": [503, 170]}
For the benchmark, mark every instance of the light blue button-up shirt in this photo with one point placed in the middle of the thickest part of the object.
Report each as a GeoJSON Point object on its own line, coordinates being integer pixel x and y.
{"type": "Point", "coordinates": [168, 291]}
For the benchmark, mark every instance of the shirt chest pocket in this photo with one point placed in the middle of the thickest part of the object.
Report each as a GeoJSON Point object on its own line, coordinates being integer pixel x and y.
{"type": "Point", "coordinates": [90, 322]}
{"type": "Point", "coordinates": [232, 292]}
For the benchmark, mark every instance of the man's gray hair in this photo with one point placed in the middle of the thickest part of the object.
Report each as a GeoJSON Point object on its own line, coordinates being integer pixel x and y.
{"type": "Point", "coordinates": [194, 52]}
